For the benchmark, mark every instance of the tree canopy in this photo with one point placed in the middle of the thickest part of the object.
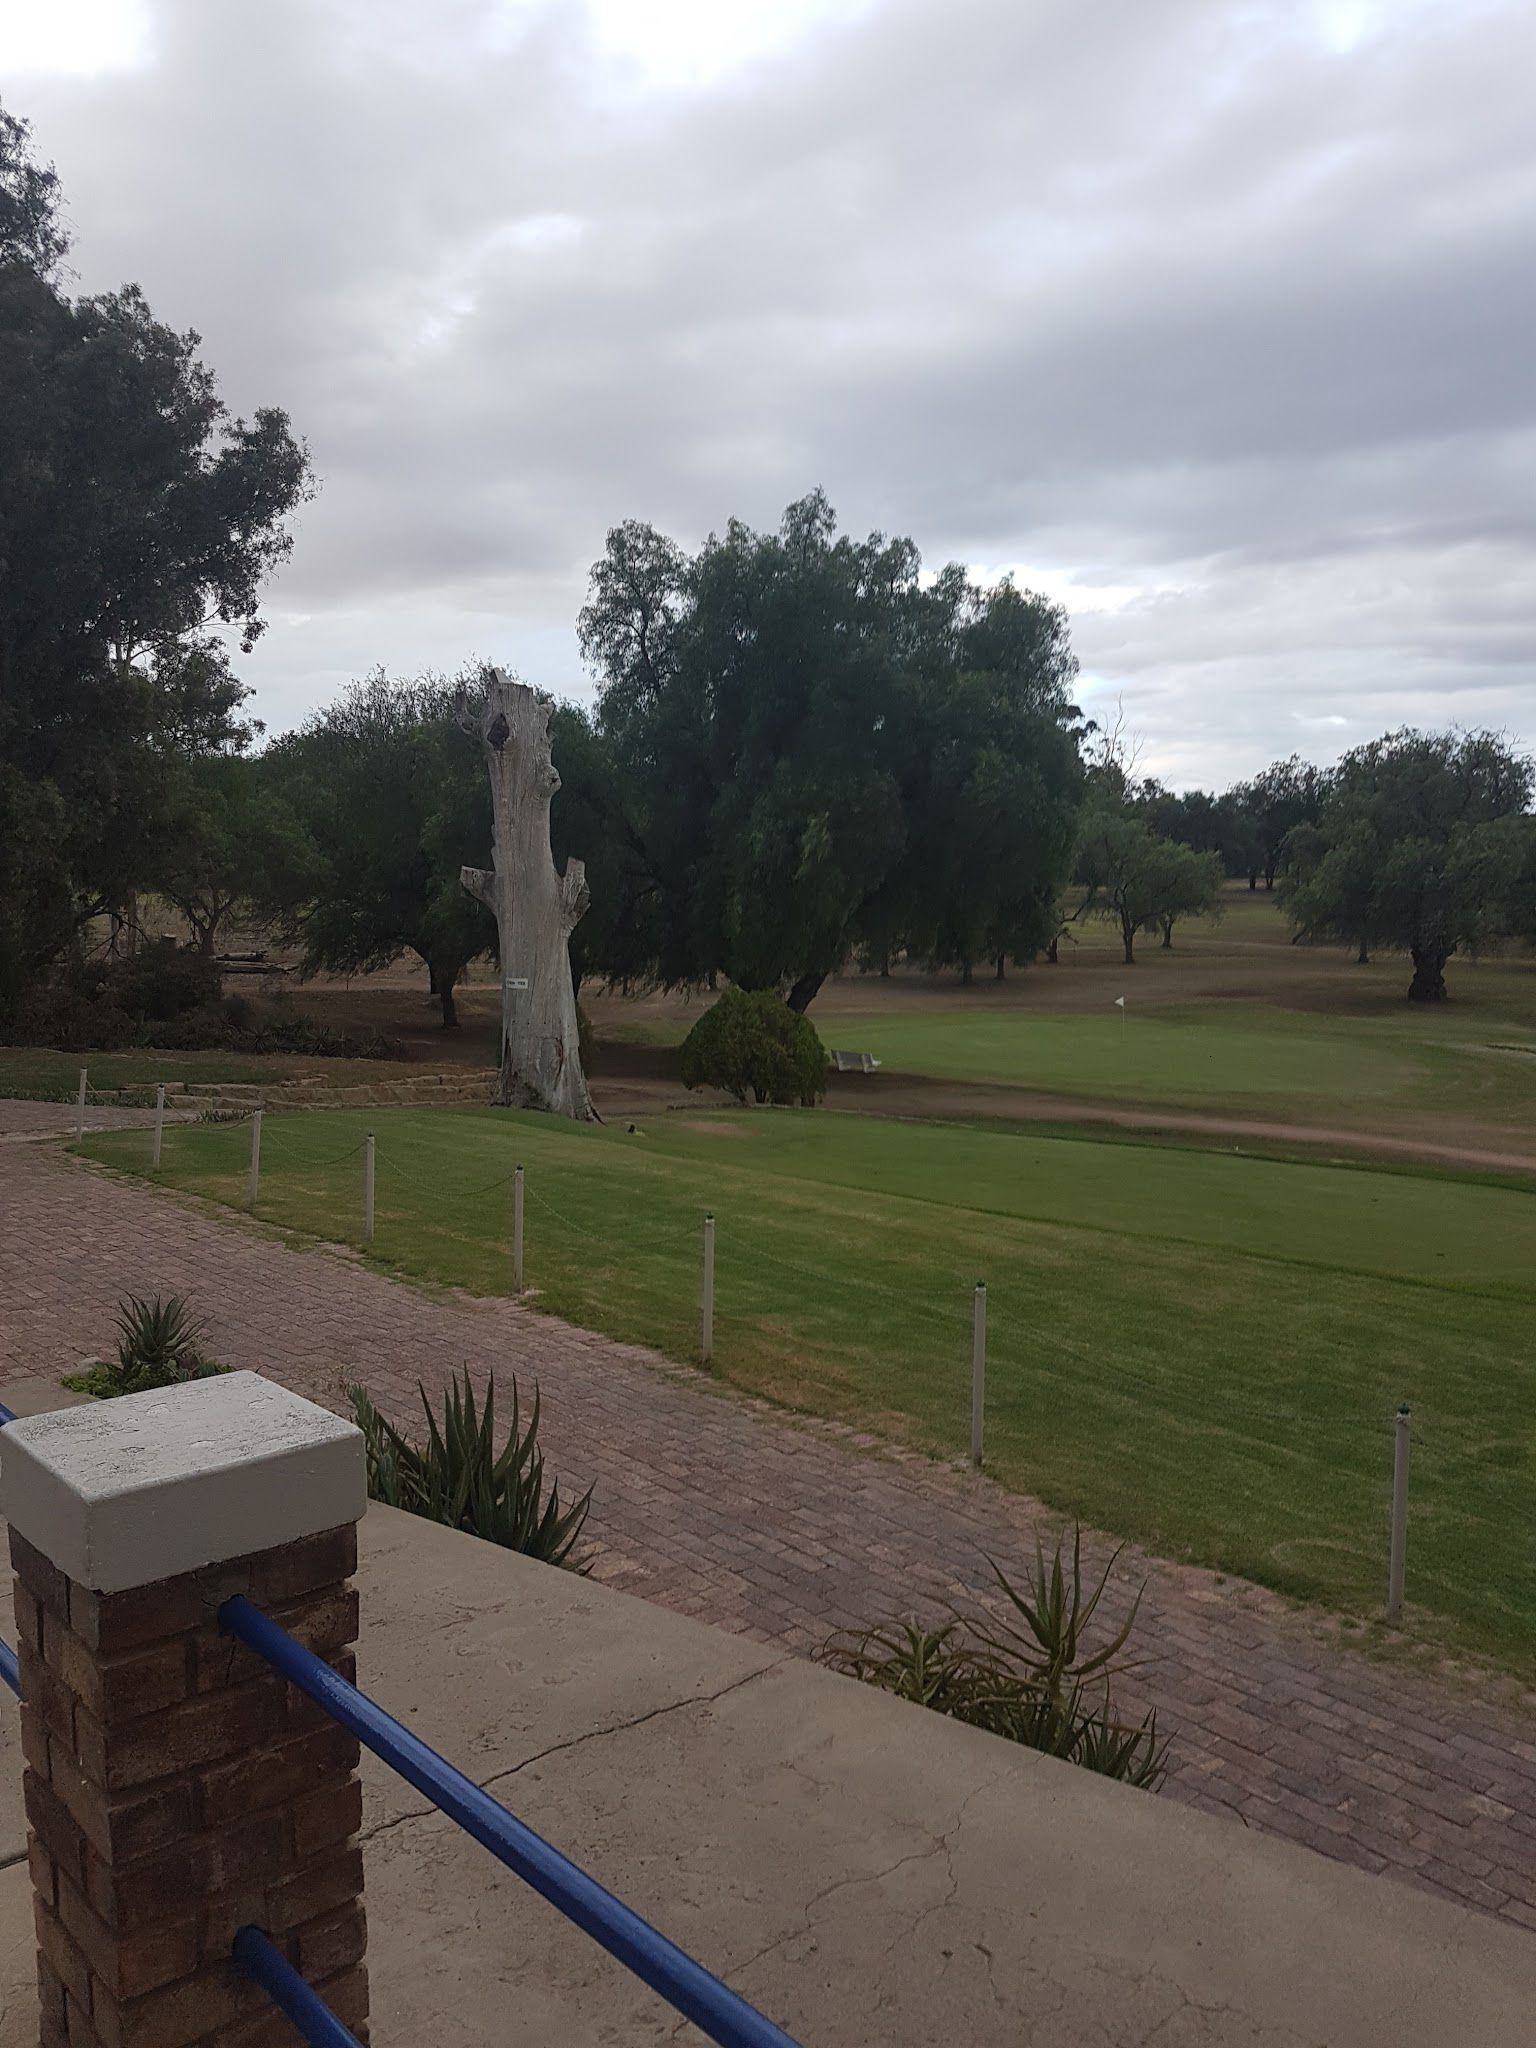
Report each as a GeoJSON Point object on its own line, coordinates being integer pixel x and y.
{"type": "Point", "coordinates": [135, 515]}
{"type": "Point", "coordinates": [813, 745]}
{"type": "Point", "coordinates": [391, 799]}
{"type": "Point", "coordinates": [1422, 846]}
{"type": "Point", "coordinates": [1136, 879]}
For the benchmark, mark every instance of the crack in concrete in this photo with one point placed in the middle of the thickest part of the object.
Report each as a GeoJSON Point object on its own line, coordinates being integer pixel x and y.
{"type": "Point", "coordinates": [700, 1699]}
{"type": "Point", "coordinates": [941, 1844]}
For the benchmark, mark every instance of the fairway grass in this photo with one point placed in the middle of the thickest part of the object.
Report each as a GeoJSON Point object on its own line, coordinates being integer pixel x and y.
{"type": "Point", "coordinates": [1402, 1075]}
{"type": "Point", "coordinates": [1199, 1351]}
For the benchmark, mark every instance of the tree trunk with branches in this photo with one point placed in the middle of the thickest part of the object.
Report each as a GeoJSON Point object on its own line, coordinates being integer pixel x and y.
{"type": "Point", "coordinates": [536, 909]}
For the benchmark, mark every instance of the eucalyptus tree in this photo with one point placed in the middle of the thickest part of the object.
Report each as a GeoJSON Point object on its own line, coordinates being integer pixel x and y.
{"type": "Point", "coordinates": [775, 704]}
{"type": "Point", "coordinates": [1138, 880]}
{"type": "Point", "coordinates": [389, 797]}
{"type": "Point", "coordinates": [135, 515]}
{"type": "Point", "coordinates": [1422, 847]}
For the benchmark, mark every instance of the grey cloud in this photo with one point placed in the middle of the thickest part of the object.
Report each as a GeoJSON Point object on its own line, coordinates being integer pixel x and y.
{"type": "Point", "coordinates": [1179, 299]}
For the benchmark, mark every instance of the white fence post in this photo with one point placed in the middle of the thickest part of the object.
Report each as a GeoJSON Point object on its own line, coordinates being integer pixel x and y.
{"type": "Point", "coordinates": [368, 1166]}
{"type": "Point", "coordinates": [159, 1121]}
{"type": "Point", "coordinates": [253, 1181]}
{"type": "Point", "coordinates": [517, 1230]}
{"type": "Point", "coordinates": [978, 1370]}
{"type": "Point", "coordinates": [1399, 1555]}
{"type": "Point", "coordinates": [80, 1109]}
{"type": "Point", "coordinates": [707, 1293]}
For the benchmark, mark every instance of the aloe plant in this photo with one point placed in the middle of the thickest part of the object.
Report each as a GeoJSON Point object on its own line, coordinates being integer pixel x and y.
{"type": "Point", "coordinates": [1040, 1684]}
{"type": "Point", "coordinates": [158, 1345]}
{"type": "Point", "coordinates": [458, 1476]}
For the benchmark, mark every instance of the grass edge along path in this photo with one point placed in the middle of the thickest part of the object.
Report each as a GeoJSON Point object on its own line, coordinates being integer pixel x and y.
{"type": "Point", "coordinates": [1220, 1402]}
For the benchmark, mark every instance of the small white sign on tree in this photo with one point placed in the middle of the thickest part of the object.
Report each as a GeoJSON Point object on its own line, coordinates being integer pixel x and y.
{"type": "Point", "coordinates": [536, 909]}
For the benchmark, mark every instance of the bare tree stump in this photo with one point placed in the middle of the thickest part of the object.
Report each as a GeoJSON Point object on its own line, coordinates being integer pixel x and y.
{"type": "Point", "coordinates": [535, 908]}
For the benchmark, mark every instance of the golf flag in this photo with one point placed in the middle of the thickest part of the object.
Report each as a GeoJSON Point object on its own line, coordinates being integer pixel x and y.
{"type": "Point", "coordinates": [1119, 1002]}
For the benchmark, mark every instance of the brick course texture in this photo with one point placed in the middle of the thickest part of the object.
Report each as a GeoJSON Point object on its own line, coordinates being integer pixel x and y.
{"type": "Point", "coordinates": [175, 1790]}
{"type": "Point", "coordinates": [719, 1506]}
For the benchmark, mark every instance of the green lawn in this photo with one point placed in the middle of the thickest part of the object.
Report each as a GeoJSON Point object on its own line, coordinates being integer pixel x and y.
{"type": "Point", "coordinates": [1161, 1058]}
{"type": "Point", "coordinates": [1466, 1070]}
{"type": "Point", "coordinates": [1392, 1073]}
{"type": "Point", "coordinates": [1194, 1349]}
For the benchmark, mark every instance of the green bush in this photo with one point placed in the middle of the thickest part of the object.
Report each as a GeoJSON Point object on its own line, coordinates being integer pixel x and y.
{"type": "Point", "coordinates": [158, 1346]}
{"type": "Point", "coordinates": [1028, 1676]}
{"type": "Point", "coordinates": [161, 982]}
{"type": "Point", "coordinates": [459, 1478]}
{"type": "Point", "coordinates": [752, 1044]}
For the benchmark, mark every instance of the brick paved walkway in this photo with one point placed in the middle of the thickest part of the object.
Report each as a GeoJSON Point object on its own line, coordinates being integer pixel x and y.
{"type": "Point", "coordinates": [723, 1508]}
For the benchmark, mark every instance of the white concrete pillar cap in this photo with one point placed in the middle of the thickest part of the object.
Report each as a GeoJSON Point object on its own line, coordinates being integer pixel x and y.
{"type": "Point", "coordinates": [123, 1493]}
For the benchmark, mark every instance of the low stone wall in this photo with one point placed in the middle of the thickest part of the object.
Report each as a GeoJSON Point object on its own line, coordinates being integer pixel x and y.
{"type": "Point", "coordinates": [310, 1091]}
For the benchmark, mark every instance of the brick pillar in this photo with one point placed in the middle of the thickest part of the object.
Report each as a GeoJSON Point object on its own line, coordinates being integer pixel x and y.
{"type": "Point", "coordinates": [176, 1788]}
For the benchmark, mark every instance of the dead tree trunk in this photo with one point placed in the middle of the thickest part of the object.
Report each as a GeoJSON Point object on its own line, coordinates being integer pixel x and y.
{"type": "Point", "coordinates": [535, 909]}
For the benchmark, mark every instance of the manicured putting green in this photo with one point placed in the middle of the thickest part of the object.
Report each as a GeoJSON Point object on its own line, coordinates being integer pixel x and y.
{"type": "Point", "coordinates": [1197, 1350]}
{"type": "Point", "coordinates": [1148, 1058]}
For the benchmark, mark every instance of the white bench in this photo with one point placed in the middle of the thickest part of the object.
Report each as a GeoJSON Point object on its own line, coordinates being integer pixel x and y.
{"type": "Point", "coordinates": [855, 1062]}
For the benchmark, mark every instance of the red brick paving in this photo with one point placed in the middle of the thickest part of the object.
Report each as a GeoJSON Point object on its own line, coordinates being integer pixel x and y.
{"type": "Point", "coordinates": [723, 1508]}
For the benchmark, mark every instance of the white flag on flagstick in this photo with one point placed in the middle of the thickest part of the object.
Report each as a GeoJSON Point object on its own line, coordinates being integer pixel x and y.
{"type": "Point", "coordinates": [1119, 1002]}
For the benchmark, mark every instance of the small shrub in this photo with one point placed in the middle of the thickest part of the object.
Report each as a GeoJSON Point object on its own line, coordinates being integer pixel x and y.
{"type": "Point", "coordinates": [459, 1478]}
{"type": "Point", "coordinates": [161, 982]}
{"type": "Point", "coordinates": [1029, 1677]}
{"type": "Point", "coordinates": [752, 1044]}
{"type": "Point", "coordinates": [158, 1346]}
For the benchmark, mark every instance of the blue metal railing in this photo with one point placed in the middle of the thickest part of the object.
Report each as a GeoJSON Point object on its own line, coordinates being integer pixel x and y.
{"type": "Point", "coordinates": [10, 1669]}
{"type": "Point", "coordinates": [714, 2008]}
{"type": "Point", "coordinates": [266, 1966]}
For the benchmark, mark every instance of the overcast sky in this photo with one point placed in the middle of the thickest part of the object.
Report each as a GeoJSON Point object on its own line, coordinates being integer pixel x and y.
{"type": "Point", "coordinates": [1214, 318]}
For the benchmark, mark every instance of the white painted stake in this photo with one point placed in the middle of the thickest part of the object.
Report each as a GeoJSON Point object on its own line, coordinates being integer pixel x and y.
{"type": "Point", "coordinates": [517, 1230]}
{"type": "Point", "coordinates": [253, 1181]}
{"type": "Point", "coordinates": [978, 1370]}
{"type": "Point", "coordinates": [80, 1109]}
{"type": "Point", "coordinates": [159, 1121]}
{"type": "Point", "coordinates": [707, 1293]}
{"type": "Point", "coordinates": [368, 1165]}
{"type": "Point", "coordinates": [1399, 1557]}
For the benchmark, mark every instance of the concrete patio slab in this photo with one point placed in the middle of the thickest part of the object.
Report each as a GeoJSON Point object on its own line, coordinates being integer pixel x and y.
{"type": "Point", "coordinates": [866, 1872]}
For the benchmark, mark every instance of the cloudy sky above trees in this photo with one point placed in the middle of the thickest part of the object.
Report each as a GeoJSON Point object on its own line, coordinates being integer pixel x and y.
{"type": "Point", "coordinates": [1212, 318]}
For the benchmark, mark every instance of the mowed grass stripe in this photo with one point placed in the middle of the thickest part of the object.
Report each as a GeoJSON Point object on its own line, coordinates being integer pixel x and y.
{"type": "Point", "coordinates": [1223, 1403]}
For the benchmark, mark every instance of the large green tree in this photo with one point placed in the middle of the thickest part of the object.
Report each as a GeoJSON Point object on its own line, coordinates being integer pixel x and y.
{"type": "Point", "coordinates": [772, 706]}
{"type": "Point", "coordinates": [992, 815]}
{"type": "Point", "coordinates": [1139, 880]}
{"type": "Point", "coordinates": [1286, 795]}
{"type": "Point", "coordinates": [1421, 847]}
{"type": "Point", "coordinates": [392, 799]}
{"type": "Point", "coordinates": [233, 843]}
{"type": "Point", "coordinates": [136, 515]}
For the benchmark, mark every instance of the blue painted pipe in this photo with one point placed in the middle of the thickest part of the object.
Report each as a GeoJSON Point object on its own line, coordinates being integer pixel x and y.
{"type": "Point", "coordinates": [10, 1670]}
{"type": "Point", "coordinates": [264, 1965]}
{"type": "Point", "coordinates": [712, 2006]}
